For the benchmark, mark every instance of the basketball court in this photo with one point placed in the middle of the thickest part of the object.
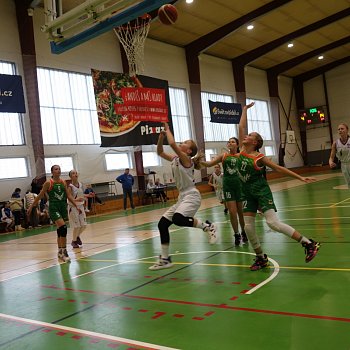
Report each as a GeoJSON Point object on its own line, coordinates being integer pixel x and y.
{"type": "Point", "coordinates": [108, 298]}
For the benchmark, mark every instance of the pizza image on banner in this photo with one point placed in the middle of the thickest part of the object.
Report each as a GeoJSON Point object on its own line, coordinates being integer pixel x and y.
{"type": "Point", "coordinates": [107, 87]}
{"type": "Point", "coordinates": [130, 110]}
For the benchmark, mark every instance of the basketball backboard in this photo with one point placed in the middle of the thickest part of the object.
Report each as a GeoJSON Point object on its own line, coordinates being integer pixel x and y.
{"type": "Point", "coordinates": [90, 19]}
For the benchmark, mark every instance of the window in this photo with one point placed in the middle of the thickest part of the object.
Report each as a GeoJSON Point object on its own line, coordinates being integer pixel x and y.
{"type": "Point", "coordinates": [209, 153]}
{"type": "Point", "coordinates": [117, 161]}
{"type": "Point", "coordinates": [259, 119]}
{"type": "Point", "coordinates": [269, 151]}
{"type": "Point", "coordinates": [180, 114]}
{"type": "Point", "coordinates": [11, 168]}
{"type": "Point", "coordinates": [216, 131]}
{"type": "Point", "coordinates": [11, 125]}
{"type": "Point", "coordinates": [65, 163]}
{"type": "Point", "coordinates": [150, 159]}
{"type": "Point", "coordinates": [67, 108]}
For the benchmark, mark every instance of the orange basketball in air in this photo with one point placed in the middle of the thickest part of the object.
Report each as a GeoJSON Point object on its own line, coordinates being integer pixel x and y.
{"type": "Point", "coordinates": [167, 14]}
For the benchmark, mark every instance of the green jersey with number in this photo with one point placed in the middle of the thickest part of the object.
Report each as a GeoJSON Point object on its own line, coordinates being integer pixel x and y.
{"type": "Point", "coordinates": [231, 176]}
{"type": "Point", "coordinates": [57, 191]}
{"type": "Point", "coordinates": [256, 190]}
{"type": "Point", "coordinates": [248, 169]}
{"type": "Point", "coordinates": [232, 186]}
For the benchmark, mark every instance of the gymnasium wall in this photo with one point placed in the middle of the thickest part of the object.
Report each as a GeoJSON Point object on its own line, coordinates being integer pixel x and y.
{"type": "Point", "coordinates": [162, 61]}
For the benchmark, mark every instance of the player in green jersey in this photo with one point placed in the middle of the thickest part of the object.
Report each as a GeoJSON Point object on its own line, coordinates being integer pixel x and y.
{"type": "Point", "coordinates": [56, 188]}
{"type": "Point", "coordinates": [232, 188]}
{"type": "Point", "coordinates": [258, 196]}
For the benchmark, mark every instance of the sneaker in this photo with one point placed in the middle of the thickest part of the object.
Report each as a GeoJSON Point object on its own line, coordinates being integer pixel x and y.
{"type": "Point", "coordinates": [79, 241]}
{"type": "Point", "coordinates": [311, 249]}
{"type": "Point", "coordinates": [259, 263]}
{"type": "Point", "coordinates": [162, 264]}
{"type": "Point", "coordinates": [63, 255]}
{"type": "Point", "coordinates": [244, 237]}
{"type": "Point", "coordinates": [60, 255]}
{"type": "Point", "coordinates": [226, 211]}
{"type": "Point", "coordinates": [75, 244]}
{"type": "Point", "coordinates": [237, 238]}
{"type": "Point", "coordinates": [66, 256]}
{"type": "Point", "coordinates": [87, 210]}
{"type": "Point", "coordinates": [211, 230]}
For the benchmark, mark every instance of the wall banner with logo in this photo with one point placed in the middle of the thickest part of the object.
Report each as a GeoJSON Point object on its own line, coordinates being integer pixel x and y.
{"type": "Point", "coordinates": [11, 94]}
{"type": "Point", "coordinates": [226, 113]}
{"type": "Point", "coordinates": [130, 110]}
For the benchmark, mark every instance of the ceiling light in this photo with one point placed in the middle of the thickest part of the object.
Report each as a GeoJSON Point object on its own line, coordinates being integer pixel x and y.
{"type": "Point", "coordinates": [250, 27]}
{"type": "Point", "coordinates": [321, 57]}
{"type": "Point", "coordinates": [290, 45]}
{"type": "Point", "coordinates": [189, 1]}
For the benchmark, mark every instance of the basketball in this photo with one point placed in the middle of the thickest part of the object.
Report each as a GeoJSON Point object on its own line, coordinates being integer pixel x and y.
{"type": "Point", "coordinates": [167, 14]}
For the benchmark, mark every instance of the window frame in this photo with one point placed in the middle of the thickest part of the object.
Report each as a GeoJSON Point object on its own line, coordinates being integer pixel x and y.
{"type": "Point", "coordinates": [127, 153]}
{"type": "Point", "coordinates": [179, 134]}
{"type": "Point", "coordinates": [53, 111]}
{"type": "Point", "coordinates": [26, 163]}
{"type": "Point", "coordinates": [63, 171]}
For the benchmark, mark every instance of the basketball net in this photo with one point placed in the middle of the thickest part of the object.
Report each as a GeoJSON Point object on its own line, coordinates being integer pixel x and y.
{"type": "Point", "coordinates": [133, 36]}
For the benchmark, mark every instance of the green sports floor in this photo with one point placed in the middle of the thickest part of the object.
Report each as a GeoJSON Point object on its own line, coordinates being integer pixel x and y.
{"type": "Point", "coordinates": [208, 300]}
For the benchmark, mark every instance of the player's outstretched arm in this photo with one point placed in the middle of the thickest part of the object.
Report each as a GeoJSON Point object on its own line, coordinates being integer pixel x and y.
{"type": "Point", "coordinates": [243, 123]}
{"type": "Point", "coordinates": [160, 148]}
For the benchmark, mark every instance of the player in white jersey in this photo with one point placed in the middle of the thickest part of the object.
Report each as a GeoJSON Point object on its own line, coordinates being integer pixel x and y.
{"type": "Point", "coordinates": [182, 212]}
{"type": "Point", "coordinates": [77, 220]}
{"type": "Point", "coordinates": [216, 181]}
{"type": "Point", "coordinates": [341, 149]}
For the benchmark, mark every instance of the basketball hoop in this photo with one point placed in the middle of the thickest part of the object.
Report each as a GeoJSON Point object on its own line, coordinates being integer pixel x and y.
{"type": "Point", "coordinates": [133, 36]}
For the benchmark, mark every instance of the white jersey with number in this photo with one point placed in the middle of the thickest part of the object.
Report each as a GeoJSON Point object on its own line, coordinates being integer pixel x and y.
{"type": "Point", "coordinates": [189, 199]}
{"type": "Point", "coordinates": [77, 219]}
{"type": "Point", "coordinates": [184, 177]}
{"type": "Point", "coordinates": [217, 180]}
{"type": "Point", "coordinates": [78, 194]}
{"type": "Point", "coordinates": [343, 150]}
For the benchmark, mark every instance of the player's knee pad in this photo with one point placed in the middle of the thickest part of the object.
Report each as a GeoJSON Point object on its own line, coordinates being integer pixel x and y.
{"type": "Point", "coordinates": [180, 220]}
{"type": "Point", "coordinates": [163, 227]}
{"type": "Point", "coordinates": [275, 224]}
{"type": "Point", "coordinates": [62, 231]}
{"type": "Point", "coordinates": [249, 229]}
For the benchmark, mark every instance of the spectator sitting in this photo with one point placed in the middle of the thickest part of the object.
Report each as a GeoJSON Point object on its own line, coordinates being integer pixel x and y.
{"type": "Point", "coordinates": [16, 206]}
{"type": "Point", "coordinates": [160, 190]}
{"type": "Point", "coordinates": [33, 220]}
{"type": "Point", "coordinates": [7, 216]}
{"type": "Point", "coordinates": [90, 195]}
{"type": "Point", "coordinates": [43, 212]}
{"type": "Point", "coordinates": [150, 186]}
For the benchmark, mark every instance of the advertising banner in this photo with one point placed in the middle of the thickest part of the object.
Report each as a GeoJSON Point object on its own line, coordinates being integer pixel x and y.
{"type": "Point", "coordinates": [11, 94]}
{"type": "Point", "coordinates": [130, 110]}
{"type": "Point", "coordinates": [226, 113]}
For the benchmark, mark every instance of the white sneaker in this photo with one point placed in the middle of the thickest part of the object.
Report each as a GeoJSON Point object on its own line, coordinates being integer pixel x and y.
{"type": "Point", "coordinates": [211, 230]}
{"type": "Point", "coordinates": [162, 264]}
{"type": "Point", "coordinates": [87, 210]}
{"type": "Point", "coordinates": [63, 256]}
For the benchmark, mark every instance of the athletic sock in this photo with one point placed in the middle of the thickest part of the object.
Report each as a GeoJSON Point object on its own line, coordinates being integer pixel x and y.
{"type": "Point", "coordinates": [165, 251]}
{"type": "Point", "coordinates": [201, 224]}
{"type": "Point", "coordinates": [304, 240]}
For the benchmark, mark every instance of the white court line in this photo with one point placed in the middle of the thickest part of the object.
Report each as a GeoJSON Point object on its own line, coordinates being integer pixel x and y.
{"type": "Point", "coordinates": [335, 204]}
{"type": "Point", "coordinates": [87, 333]}
{"type": "Point", "coordinates": [269, 279]}
{"type": "Point", "coordinates": [107, 267]}
{"type": "Point", "coordinates": [315, 219]}
{"type": "Point", "coordinates": [258, 286]}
